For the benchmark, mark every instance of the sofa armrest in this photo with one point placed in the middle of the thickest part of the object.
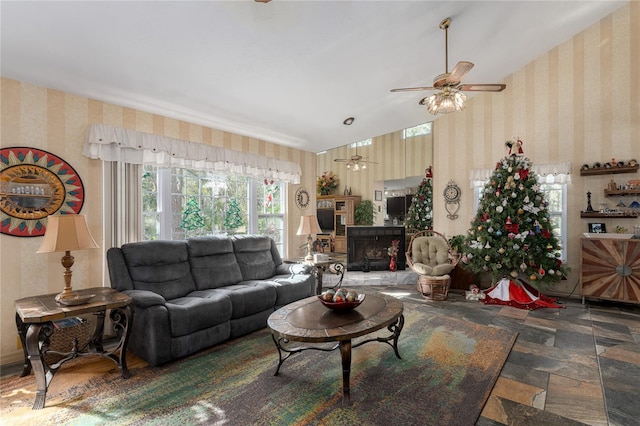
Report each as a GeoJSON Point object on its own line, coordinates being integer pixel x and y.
{"type": "Point", "coordinates": [293, 269]}
{"type": "Point", "coordinates": [145, 298]}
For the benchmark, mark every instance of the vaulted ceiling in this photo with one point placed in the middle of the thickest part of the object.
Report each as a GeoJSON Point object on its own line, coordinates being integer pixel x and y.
{"type": "Point", "coordinates": [288, 72]}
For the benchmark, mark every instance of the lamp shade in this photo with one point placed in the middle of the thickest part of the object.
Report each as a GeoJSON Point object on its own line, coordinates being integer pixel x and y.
{"type": "Point", "coordinates": [66, 233]}
{"type": "Point", "coordinates": [309, 225]}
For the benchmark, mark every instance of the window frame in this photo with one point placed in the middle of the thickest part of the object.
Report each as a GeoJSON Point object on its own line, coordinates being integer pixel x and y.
{"type": "Point", "coordinates": [254, 213]}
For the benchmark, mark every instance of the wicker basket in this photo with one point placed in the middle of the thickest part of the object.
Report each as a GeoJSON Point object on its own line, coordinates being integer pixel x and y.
{"type": "Point", "coordinates": [434, 288]}
{"type": "Point", "coordinates": [62, 339]}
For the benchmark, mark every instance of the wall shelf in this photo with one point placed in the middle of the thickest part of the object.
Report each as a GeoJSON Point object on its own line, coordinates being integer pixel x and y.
{"type": "Point", "coordinates": [607, 215]}
{"type": "Point", "coordinates": [621, 193]}
{"type": "Point", "coordinates": [610, 170]}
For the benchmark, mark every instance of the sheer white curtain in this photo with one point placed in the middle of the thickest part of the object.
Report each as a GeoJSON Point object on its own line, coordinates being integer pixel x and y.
{"type": "Point", "coordinates": [547, 173]}
{"type": "Point", "coordinates": [110, 143]}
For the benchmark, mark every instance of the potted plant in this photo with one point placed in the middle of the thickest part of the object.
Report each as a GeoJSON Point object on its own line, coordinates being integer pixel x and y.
{"type": "Point", "coordinates": [364, 214]}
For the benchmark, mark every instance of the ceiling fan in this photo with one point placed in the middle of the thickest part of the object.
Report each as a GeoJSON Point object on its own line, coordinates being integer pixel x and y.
{"type": "Point", "coordinates": [356, 162]}
{"type": "Point", "coordinates": [450, 97]}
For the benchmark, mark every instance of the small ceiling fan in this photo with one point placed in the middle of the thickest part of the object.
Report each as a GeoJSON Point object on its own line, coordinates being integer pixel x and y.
{"type": "Point", "coordinates": [356, 162]}
{"type": "Point", "coordinates": [450, 97]}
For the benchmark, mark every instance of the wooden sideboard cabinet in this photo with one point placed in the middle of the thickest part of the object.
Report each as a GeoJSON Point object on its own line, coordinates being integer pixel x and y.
{"type": "Point", "coordinates": [610, 269]}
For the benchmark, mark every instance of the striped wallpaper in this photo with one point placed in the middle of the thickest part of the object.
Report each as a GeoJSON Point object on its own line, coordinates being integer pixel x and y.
{"type": "Point", "coordinates": [57, 122]}
{"type": "Point", "coordinates": [579, 102]}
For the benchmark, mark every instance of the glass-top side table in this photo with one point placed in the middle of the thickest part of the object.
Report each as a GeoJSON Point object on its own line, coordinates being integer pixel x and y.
{"type": "Point", "coordinates": [34, 320]}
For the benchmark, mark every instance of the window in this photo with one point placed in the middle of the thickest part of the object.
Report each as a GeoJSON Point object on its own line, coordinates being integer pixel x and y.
{"type": "Point", "coordinates": [365, 142]}
{"type": "Point", "coordinates": [419, 130]}
{"type": "Point", "coordinates": [556, 195]}
{"type": "Point", "coordinates": [182, 203]}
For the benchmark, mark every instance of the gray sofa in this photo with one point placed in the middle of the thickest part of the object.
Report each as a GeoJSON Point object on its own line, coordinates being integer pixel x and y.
{"type": "Point", "coordinates": [190, 295]}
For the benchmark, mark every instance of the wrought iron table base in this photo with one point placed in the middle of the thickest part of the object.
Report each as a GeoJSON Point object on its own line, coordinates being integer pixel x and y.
{"type": "Point", "coordinates": [345, 352]}
{"type": "Point", "coordinates": [35, 345]}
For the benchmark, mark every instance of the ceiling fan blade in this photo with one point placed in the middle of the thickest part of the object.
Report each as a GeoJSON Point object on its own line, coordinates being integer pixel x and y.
{"type": "Point", "coordinates": [482, 87]}
{"type": "Point", "coordinates": [459, 71]}
{"type": "Point", "coordinates": [412, 89]}
{"type": "Point", "coordinates": [341, 160]}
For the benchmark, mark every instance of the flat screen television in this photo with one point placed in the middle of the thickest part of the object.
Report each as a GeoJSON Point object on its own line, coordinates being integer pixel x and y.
{"type": "Point", "coordinates": [325, 220]}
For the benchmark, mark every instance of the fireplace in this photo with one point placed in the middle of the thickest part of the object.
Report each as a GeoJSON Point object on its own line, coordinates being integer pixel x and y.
{"type": "Point", "coordinates": [371, 242]}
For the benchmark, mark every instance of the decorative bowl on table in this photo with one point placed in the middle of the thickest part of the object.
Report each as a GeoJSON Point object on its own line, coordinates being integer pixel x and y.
{"type": "Point", "coordinates": [341, 300]}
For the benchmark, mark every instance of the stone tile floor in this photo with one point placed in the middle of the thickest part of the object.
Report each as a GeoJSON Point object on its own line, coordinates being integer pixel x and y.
{"type": "Point", "coordinates": [577, 365]}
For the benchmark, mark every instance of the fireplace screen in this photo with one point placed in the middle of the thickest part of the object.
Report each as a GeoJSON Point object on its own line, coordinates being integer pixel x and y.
{"type": "Point", "coordinates": [367, 246]}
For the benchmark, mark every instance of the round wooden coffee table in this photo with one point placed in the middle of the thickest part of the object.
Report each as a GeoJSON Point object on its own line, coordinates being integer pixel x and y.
{"type": "Point", "coordinates": [307, 320]}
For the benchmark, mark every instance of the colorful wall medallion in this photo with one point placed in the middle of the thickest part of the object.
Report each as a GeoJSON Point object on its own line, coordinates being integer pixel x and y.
{"type": "Point", "coordinates": [33, 185]}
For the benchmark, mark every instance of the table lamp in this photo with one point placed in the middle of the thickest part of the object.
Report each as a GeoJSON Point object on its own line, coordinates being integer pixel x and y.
{"type": "Point", "coordinates": [309, 225]}
{"type": "Point", "coordinates": [65, 233]}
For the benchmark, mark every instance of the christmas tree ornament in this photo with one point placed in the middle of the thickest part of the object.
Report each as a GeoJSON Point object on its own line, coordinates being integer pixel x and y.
{"type": "Point", "coordinates": [516, 247]}
{"type": "Point", "coordinates": [541, 272]}
{"type": "Point", "coordinates": [479, 227]}
{"type": "Point", "coordinates": [514, 274]}
{"type": "Point", "coordinates": [523, 266]}
{"type": "Point", "coordinates": [191, 218]}
{"type": "Point", "coordinates": [533, 277]}
{"type": "Point", "coordinates": [487, 258]}
{"type": "Point", "coordinates": [487, 246]}
{"type": "Point", "coordinates": [233, 218]}
{"type": "Point", "coordinates": [499, 233]}
{"type": "Point", "coordinates": [501, 250]}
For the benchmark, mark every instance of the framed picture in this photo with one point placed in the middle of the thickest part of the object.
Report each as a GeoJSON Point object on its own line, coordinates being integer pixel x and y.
{"type": "Point", "coordinates": [378, 195]}
{"type": "Point", "coordinates": [598, 228]}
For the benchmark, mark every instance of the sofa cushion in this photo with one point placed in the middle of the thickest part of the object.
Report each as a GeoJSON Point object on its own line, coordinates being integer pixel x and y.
{"type": "Point", "coordinates": [250, 297]}
{"type": "Point", "coordinates": [213, 262]}
{"type": "Point", "coordinates": [290, 288]}
{"type": "Point", "coordinates": [254, 256]}
{"type": "Point", "coordinates": [193, 313]}
{"type": "Point", "coordinates": [160, 266]}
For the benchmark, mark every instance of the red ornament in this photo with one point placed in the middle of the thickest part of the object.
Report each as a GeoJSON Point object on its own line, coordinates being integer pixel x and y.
{"type": "Point", "coordinates": [545, 233]}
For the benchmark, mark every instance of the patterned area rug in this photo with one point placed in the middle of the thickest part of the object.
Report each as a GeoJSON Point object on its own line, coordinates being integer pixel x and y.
{"type": "Point", "coordinates": [446, 373]}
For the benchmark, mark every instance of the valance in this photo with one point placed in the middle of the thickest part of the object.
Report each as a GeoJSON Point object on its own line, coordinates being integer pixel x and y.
{"type": "Point", "coordinates": [108, 143]}
{"type": "Point", "coordinates": [547, 173]}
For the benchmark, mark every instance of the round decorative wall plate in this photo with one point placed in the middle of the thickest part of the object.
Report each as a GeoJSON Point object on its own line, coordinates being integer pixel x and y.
{"type": "Point", "coordinates": [302, 198]}
{"type": "Point", "coordinates": [33, 185]}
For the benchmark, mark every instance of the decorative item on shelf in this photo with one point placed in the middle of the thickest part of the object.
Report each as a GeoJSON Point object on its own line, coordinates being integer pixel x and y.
{"type": "Point", "coordinates": [589, 208]}
{"type": "Point", "coordinates": [327, 183]}
{"type": "Point", "coordinates": [65, 233]}
{"type": "Point", "coordinates": [612, 185]}
{"type": "Point", "coordinates": [633, 163]}
{"type": "Point", "coordinates": [309, 225]}
{"type": "Point", "coordinates": [585, 167]}
{"type": "Point", "coordinates": [598, 228]}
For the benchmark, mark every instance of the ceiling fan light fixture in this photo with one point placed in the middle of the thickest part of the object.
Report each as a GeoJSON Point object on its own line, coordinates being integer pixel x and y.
{"type": "Point", "coordinates": [349, 121]}
{"type": "Point", "coordinates": [449, 100]}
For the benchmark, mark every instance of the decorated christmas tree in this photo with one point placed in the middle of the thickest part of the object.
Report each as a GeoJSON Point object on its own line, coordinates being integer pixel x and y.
{"type": "Point", "coordinates": [233, 218]}
{"type": "Point", "coordinates": [191, 219]}
{"type": "Point", "coordinates": [420, 215]}
{"type": "Point", "coordinates": [511, 235]}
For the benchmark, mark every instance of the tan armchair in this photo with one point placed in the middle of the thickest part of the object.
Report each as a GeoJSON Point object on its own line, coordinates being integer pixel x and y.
{"type": "Point", "coordinates": [430, 256]}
